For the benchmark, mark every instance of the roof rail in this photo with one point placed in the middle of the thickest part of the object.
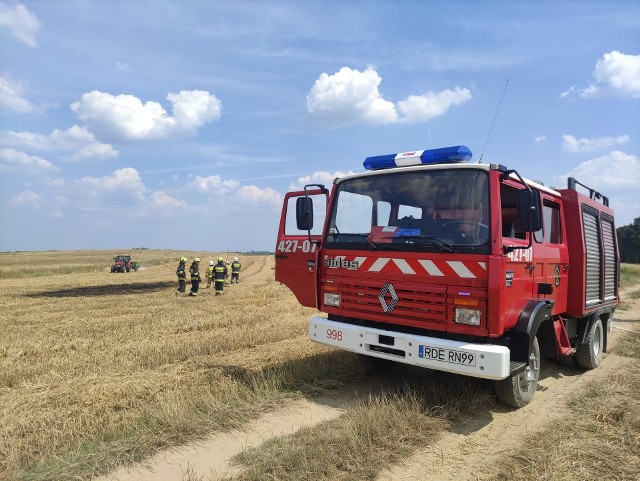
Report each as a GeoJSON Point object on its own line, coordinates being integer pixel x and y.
{"type": "Point", "coordinates": [593, 194]}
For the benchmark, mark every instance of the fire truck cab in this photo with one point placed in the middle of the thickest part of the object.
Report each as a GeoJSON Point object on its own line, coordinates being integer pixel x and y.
{"type": "Point", "coordinates": [427, 259]}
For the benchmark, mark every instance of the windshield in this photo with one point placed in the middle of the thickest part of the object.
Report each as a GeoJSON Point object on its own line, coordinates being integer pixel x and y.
{"type": "Point", "coordinates": [417, 210]}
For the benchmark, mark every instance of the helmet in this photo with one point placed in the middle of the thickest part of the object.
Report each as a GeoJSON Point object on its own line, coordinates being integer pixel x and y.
{"type": "Point", "coordinates": [183, 259]}
{"type": "Point", "coordinates": [219, 259]}
{"type": "Point", "coordinates": [235, 259]}
{"type": "Point", "coordinates": [197, 259]}
{"type": "Point", "coordinates": [210, 263]}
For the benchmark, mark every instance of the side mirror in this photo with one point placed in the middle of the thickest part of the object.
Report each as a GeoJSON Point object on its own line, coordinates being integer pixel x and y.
{"type": "Point", "coordinates": [304, 213]}
{"type": "Point", "coordinates": [529, 209]}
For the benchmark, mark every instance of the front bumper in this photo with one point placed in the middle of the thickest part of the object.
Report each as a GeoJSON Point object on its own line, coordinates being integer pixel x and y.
{"type": "Point", "coordinates": [487, 361]}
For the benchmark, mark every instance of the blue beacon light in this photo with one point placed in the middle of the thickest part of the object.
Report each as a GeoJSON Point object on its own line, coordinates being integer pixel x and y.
{"type": "Point", "coordinates": [459, 153]}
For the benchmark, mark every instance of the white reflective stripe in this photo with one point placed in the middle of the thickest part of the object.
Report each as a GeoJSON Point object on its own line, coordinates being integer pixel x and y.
{"type": "Point", "coordinates": [408, 161]}
{"type": "Point", "coordinates": [404, 266]}
{"type": "Point", "coordinates": [360, 261]}
{"type": "Point", "coordinates": [483, 265]}
{"type": "Point", "coordinates": [431, 268]}
{"type": "Point", "coordinates": [379, 264]}
{"type": "Point", "coordinates": [461, 269]}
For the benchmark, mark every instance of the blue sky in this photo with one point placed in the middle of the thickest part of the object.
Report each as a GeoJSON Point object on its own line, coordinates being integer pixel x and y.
{"type": "Point", "coordinates": [181, 124]}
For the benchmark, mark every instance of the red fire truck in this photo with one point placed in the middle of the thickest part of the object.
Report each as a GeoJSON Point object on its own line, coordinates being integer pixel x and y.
{"type": "Point", "coordinates": [430, 260]}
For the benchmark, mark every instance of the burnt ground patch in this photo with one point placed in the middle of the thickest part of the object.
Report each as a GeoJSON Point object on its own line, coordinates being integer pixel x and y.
{"type": "Point", "coordinates": [109, 290]}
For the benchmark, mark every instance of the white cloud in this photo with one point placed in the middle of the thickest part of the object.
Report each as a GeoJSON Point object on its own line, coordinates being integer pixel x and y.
{"type": "Point", "coordinates": [164, 201]}
{"type": "Point", "coordinates": [349, 97]}
{"type": "Point", "coordinates": [125, 183]}
{"type": "Point", "coordinates": [76, 138]}
{"type": "Point", "coordinates": [215, 184]}
{"type": "Point", "coordinates": [614, 74]}
{"type": "Point", "coordinates": [614, 170]}
{"type": "Point", "coordinates": [26, 200]}
{"type": "Point", "coordinates": [352, 97]}
{"type": "Point", "coordinates": [540, 138]}
{"type": "Point", "coordinates": [93, 151]}
{"type": "Point", "coordinates": [12, 160]}
{"type": "Point", "coordinates": [255, 196]}
{"type": "Point", "coordinates": [324, 178]}
{"type": "Point", "coordinates": [419, 108]}
{"type": "Point", "coordinates": [192, 108]}
{"type": "Point", "coordinates": [126, 118]}
{"type": "Point", "coordinates": [23, 24]}
{"type": "Point", "coordinates": [234, 193]}
{"type": "Point", "coordinates": [11, 98]}
{"type": "Point", "coordinates": [573, 145]}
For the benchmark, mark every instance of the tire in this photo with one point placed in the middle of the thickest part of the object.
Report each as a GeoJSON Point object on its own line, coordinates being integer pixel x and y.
{"type": "Point", "coordinates": [518, 390]}
{"type": "Point", "coordinates": [589, 354]}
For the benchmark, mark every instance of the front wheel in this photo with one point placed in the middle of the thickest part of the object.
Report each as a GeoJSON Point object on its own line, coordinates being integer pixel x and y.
{"type": "Point", "coordinates": [518, 390]}
{"type": "Point", "coordinates": [589, 354]}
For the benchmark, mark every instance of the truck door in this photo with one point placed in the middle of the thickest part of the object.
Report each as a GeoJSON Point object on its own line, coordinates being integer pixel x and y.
{"type": "Point", "coordinates": [556, 254]}
{"type": "Point", "coordinates": [296, 250]}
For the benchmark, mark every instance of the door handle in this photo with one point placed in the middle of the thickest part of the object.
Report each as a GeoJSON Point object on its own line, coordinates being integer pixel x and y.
{"type": "Point", "coordinates": [565, 267]}
{"type": "Point", "coordinates": [281, 256]}
{"type": "Point", "coordinates": [530, 267]}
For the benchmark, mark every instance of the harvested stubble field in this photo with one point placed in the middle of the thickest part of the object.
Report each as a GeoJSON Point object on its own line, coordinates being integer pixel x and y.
{"type": "Point", "coordinates": [99, 370]}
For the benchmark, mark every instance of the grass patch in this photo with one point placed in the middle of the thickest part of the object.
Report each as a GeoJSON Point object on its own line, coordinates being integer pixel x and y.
{"type": "Point", "coordinates": [355, 446]}
{"type": "Point", "coordinates": [380, 430]}
{"type": "Point", "coordinates": [628, 345]}
{"type": "Point", "coordinates": [600, 440]}
{"type": "Point", "coordinates": [629, 274]}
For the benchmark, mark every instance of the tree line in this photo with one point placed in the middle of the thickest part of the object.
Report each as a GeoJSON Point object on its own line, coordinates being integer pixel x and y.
{"type": "Point", "coordinates": [629, 242]}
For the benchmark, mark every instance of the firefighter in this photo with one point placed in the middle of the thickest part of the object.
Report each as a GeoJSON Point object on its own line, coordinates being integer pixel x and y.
{"type": "Point", "coordinates": [182, 275]}
{"type": "Point", "coordinates": [219, 274]}
{"type": "Point", "coordinates": [235, 270]}
{"type": "Point", "coordinates": [209, 274]}
{"type": "Point", "coordinates": [195, 276]}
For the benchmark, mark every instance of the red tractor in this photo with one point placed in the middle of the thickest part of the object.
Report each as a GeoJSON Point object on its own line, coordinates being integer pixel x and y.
{"type": "Point", "coordinates": [122, 263]}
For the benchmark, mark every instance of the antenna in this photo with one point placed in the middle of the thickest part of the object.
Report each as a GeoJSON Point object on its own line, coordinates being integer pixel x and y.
{"type": "Point", "coordinates": [430, 141]}
{"type": "Point", "coordinates": [494, 121]}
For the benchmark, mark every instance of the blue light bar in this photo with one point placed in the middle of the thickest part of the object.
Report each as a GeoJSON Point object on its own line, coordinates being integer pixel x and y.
{"type": "Point", "coordinates": [459, 153]}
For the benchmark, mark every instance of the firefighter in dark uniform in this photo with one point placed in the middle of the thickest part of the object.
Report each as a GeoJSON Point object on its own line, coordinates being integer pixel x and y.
{"type": "Point", "coordinates": [195, 276]}
{"type": "Point", "coordinates": [235, 270]}
{"type": "Point", "coordinates": [182, 275]}
{"type": "Point", "coordinates": [219, 274]}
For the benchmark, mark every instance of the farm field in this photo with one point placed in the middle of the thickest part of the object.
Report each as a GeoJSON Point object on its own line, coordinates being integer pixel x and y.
{"type": "Point", "coordinates": [99, 371]}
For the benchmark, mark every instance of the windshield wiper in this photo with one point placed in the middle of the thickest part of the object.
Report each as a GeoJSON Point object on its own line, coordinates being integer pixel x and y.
{"type": "Point", "coordinates": [442, 245]}
{"type": "Point", "coordinates": [372, 245]}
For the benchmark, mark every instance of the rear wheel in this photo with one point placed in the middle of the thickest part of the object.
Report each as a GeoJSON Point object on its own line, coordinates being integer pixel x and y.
{"type": "Point", "coordinates": [589, 354]}
{"type": "Point", "coordinates": [518, 390]}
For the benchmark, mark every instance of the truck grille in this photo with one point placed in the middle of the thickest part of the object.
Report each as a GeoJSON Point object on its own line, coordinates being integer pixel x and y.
{"type": "Point", "coordinates": [416, 303]}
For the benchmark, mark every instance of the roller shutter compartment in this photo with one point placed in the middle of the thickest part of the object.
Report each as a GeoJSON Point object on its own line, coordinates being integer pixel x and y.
{"type": "Point", "coordinates": [610, 263]}
{"type": "Point", "coordinates": [593, 257]}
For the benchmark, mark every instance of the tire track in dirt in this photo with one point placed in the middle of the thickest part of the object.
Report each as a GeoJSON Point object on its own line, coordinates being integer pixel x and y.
{"type": "Point", "coordinates": [210, 458]}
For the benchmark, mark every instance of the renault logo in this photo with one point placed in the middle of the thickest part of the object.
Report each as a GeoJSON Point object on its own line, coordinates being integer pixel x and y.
{"type": "Point", "coordinates": [382, 297]}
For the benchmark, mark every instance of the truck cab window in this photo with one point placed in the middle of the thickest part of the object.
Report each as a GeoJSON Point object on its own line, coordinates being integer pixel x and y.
{"type": "Point", "coordinates": [426, 207]}
{"type": "Point", "coordinates": [552, 224]}
{"type": "Point", "coordinates": [510, 223]}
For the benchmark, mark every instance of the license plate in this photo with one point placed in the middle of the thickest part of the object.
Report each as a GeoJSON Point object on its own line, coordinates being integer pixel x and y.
{"type": "Point", "coordinates": [447, 355]}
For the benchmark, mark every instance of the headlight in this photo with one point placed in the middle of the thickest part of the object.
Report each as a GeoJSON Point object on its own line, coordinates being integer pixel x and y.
{"type": "Point", "coordinates": [332, 299]}
{"type": "Point", "coordinates": [467, 316]}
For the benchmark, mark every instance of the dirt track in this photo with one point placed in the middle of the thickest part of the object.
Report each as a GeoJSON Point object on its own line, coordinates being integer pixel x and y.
{"type": "Point", "coordinates": [466, 451]}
